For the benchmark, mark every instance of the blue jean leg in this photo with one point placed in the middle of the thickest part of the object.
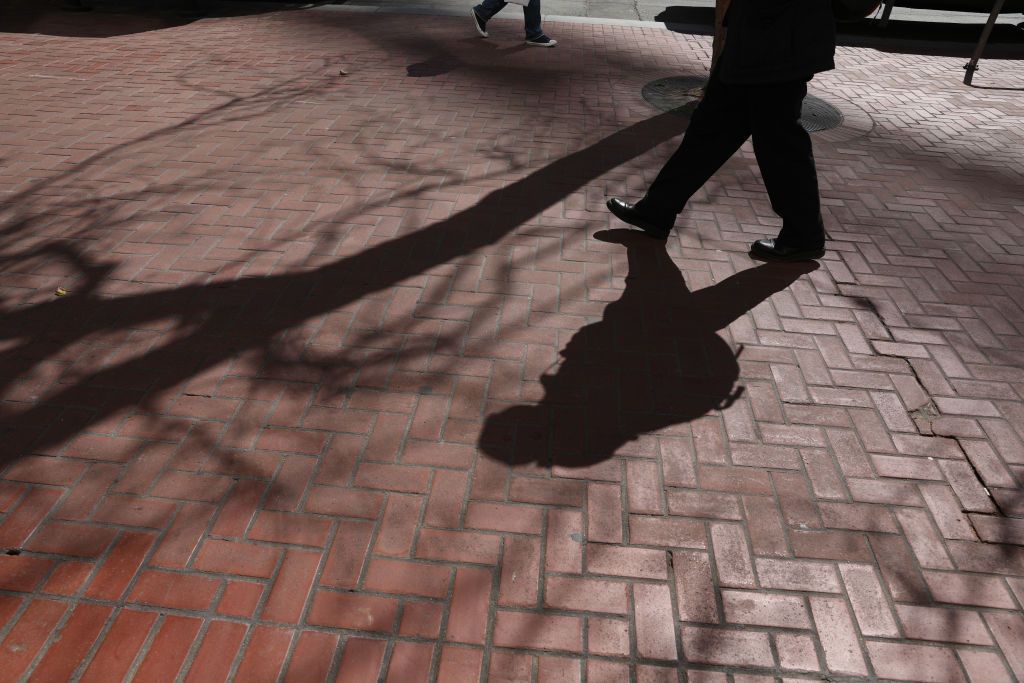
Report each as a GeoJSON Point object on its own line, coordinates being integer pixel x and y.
{"type": "Point", "coordinates": [531, 14]}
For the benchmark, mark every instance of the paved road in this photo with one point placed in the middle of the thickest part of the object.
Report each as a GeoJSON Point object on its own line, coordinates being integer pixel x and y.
{"type": "Point", "coordinates": [353, 377]}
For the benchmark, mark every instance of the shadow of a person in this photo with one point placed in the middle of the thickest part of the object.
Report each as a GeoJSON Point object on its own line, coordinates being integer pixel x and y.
{"type": "Point", "coordinates": [441, 61]}
{"type": "Point", "coordinates": [653, 361]}
{"type": "Point", "coordinates": [434, 66]}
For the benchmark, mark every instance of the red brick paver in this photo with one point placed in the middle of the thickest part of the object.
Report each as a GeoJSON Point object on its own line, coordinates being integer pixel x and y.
{"type": "Point", "coordinates": [352, 380]}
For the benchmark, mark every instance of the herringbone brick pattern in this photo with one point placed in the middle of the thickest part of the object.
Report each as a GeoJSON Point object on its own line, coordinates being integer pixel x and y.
{"type": "Point", "coordinates": [352, 380]}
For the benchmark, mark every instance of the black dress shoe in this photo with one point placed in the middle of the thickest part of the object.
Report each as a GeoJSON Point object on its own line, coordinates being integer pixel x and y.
{"type": "Point", "coordinates": [628, 213]}
{"type": "Point", "coordinates": [770, 249]}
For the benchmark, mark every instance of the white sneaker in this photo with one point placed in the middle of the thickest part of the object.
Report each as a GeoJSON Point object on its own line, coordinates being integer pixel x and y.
{"type": "Point", "coordinates": [481, 25]}
{"type": "Point", "coordinates": [542, 41]}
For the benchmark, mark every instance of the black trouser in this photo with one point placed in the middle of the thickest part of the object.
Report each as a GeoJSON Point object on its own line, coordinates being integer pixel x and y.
{"type": "Point", "coordinates": [722, 122]}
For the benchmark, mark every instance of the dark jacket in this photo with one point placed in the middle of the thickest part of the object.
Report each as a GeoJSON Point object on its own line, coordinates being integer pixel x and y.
{"type": "Point", "coordinates": [771, 41]}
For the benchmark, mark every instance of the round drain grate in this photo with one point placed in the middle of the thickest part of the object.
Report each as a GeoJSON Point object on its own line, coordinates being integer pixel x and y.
{"type": "Point", "coordinates": [678, 94]}
{"type": "Point", "coordinates": [675, 94]}
{"type": "Point", "coordinates": [818, 115]}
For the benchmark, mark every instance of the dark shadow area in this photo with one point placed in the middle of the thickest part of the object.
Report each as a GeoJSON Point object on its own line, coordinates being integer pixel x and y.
{"type": "Point", "coordinates": [109, 18]}
{"type": "Point", "coordinates": [902, 37]}
{"type": "Point", "coordinates": [435, 66]}
{"type": "Point", "coordinates": [209, 324]}
{"type": "Point", "coordinates": [442, 62]}
{"type": "Point", "coordinates": [653, 361]}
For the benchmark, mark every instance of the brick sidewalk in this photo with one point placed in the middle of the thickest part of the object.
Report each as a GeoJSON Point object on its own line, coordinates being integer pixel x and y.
{"type": "Point", "coordinates": [352, 378]}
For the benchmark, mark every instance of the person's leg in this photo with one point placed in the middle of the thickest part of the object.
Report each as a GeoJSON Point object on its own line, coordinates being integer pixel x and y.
{"type": "Point", "coordinates": [488, 8]}
{"type": "Point", "coordinates": [718, 127]}
{"type": "Point", "coordinates": [531, 16]}
{"type": "Point", "coordinates": [534, 33]}
{"type": "Point", "coordinates": [784, 153]}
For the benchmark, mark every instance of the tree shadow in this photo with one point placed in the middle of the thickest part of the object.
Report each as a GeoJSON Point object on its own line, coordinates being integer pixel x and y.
{"type": "Point", "coordinates": [208, 324]}
{"type": "Point", "coordinates": [653, 361]}
{"type": "Point", "coordinates": [57, 193]}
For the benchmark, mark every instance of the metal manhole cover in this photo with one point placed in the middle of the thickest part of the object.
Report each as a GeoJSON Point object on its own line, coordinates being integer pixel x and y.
{"type": "Point", "coordinates": [679, 94]}
{"type": "Point", "coordinates": [817, 115]}
{"type": "Point", "coordinates": [675, 94]}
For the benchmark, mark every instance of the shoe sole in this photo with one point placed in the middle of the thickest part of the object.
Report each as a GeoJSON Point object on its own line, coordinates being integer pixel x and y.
{"type": "Point", "coordinates": [476, 23]}
{"type": "Point", "coordinates": [551, 44]}
{"type": "Point", "coordinates": [649, 229]}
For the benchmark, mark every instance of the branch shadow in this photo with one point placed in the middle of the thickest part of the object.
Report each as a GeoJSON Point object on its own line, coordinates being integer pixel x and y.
{"type": "Point", "coordinates": [213, 323]}
{"type": "Point", "coordinates": [88, 202]}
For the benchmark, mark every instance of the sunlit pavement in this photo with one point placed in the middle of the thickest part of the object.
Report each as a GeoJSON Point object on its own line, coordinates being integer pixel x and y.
{"type": "Point", "coordinates": [321, 358]}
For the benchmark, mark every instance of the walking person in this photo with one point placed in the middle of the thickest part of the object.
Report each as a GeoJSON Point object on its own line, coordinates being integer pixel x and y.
{"type": "Point", "coordinates": [535, 36]}
{"type": "Point", "coordinates": [765, 52]}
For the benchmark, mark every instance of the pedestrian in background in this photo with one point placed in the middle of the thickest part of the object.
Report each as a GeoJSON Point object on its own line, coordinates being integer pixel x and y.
{"type": "Point", "coordinates": [764, 54]}
{"type": "Point", "coordinates": [535, 36]}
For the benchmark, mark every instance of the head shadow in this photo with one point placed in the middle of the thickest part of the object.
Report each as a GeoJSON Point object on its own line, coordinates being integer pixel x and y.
{"type": "Point", "coordinates": [440, 61]}
{"type": "Point", "coordinates": [652, 362]}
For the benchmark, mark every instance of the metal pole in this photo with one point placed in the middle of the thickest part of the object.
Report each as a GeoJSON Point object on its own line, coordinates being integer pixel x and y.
{"type": "Point", "coordinates": [972, 65]}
